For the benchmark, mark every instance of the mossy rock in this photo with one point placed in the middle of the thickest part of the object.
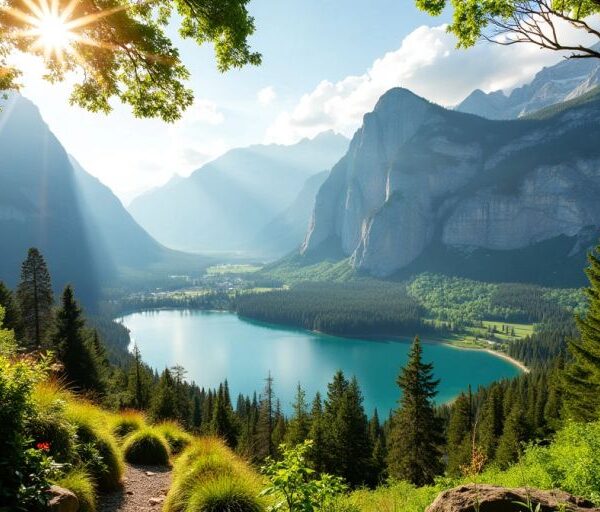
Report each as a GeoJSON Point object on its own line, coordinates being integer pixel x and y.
{"type": "Point", "coordinates": [147, 446]}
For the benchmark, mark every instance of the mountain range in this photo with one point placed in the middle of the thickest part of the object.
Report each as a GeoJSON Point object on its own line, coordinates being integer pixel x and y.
{"type": "Point", "coordinates": [562, 82]}
{"type": "Point", "coordinates": [426, 188]}
{"type": "Point", "coordinates": [229, 203]}
{"type": "Point", "coordinates": [49, 201]}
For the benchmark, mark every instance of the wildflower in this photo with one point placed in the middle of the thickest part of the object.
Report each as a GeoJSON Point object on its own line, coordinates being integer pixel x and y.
{"type": "Point", "coordinates": [45, 447]}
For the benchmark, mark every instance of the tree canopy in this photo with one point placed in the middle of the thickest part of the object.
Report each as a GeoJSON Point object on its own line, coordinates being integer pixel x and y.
{"type": "Point", "coordinates": [521, 21]}
{"type": "Point", "coordinates": [120, 48]}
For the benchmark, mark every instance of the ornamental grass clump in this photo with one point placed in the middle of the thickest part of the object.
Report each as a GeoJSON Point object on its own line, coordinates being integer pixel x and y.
{"type": "Point", "coordinates": [147, 446]}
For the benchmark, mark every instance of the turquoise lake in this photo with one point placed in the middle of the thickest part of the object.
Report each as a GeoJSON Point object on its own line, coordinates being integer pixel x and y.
{"type": "Point", "coordinates": [214, 346]}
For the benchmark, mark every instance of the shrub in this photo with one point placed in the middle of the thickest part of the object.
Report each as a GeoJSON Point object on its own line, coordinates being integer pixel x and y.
{"type": "Point", "coordinates": [224, 493]}
{"type": "Point", "coordinates": [80, 483]}
{"type": "Point", "coordinates": [51, 427]}
{"type": "Point", "coordinates": [127, 422]}
{"type": "Point", "coordinates": [99, 454]}
{"type": "Point", "coordinates": [175, 436]}
{"type": "Point", "coordinates": [146, 446]}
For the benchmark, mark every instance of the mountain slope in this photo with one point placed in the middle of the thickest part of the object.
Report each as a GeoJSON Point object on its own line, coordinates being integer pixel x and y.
{"type": "Point", "coordinates": [421, 183]}
{"type": "Point", "coordinates": [564, 81]}
{"type": "Point", "coordinates": [49, 201]}
{"type": "Point", "coordinates": [286, 232]}
{"type": "Point", "coordinates": [224, 204]}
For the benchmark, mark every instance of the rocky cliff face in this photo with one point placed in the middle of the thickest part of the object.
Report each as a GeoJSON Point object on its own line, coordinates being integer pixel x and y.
{"type": "Point", "coordinates": [417, 175]}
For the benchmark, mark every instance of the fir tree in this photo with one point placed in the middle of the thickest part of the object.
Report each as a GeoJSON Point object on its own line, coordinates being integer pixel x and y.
{"type": "Point", "coordinates": [377, 440]}
{"type": "Point", "coordinates": [223, 421]}
{"type": "Point", "coordinates": [416, 433]}
{"type": "Point", "coordinates": [163, 406]}
{"type": "Point", "coordinates": [489, 428]}
{"type": "Point", "coordinates": [299, 424]}
{"type": "Point", "coordinates": [317, 435]}
{"type": "Point", "coordinates": [266, 422]}
{"type": "Point", "coordinates": [460, 433]}
{"type": "Point", "coordinates": [582, 379]}
{"type": "Point", "coordinates": [34, 296]}
{"type": "Point", "coordinates": [279, 429]}
{"type": "Point", "coordinates": [516, 432]}
{"type": "Point", "coordinates": [80, 367]}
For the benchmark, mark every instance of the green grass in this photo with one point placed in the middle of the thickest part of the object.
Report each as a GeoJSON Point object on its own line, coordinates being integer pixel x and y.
{"type": "Point", "coordinates": [80, 483]}
{"type": "Point", "coordinates": [147, 446]}
{"type": "Point", "coordinates": [224, 493]}
{"type": "Point", "coordinates": [127, 422]}
{"type": "Point", "coordinates": [175, 436]}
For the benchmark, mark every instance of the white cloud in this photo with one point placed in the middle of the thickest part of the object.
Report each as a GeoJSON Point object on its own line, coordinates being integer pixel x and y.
{"type": "Point", "coordinates": [203, 111]}
{"type": "Point", "coordinates": [428, 64]}
{"type": "Point", "coordinates": [266, 95]}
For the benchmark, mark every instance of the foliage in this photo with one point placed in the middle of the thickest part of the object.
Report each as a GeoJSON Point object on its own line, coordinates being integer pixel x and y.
{"type": "Point", "coordinates": [295, 485]}
{"type": "Point", "coordinates": [582, 380]}
{"type": "Point", "coordinates": [519, 21]}
{"type": "Point", "coordinates": [120, 49]}
{"type": "Point", "coordinates": [34, 296]}
{"type": "Point", "coordinates": [146, 446]}
{"type": "Point", "coordinates": [127, 422]}
{"type": "Point", "coordinates": [176, 437]}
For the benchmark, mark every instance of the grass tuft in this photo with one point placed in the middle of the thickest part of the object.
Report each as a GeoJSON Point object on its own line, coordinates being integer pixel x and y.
{"type": "Point", "coordinates": [127, 422]}
{"type": "Point", "coordinates": [224, 493]}
{"type": "Point", "coordinates": [80, 483]}
{"type": "Point", "coordinates": [175, 436]}
{"type": "Point", "coordinates": [147, 446]}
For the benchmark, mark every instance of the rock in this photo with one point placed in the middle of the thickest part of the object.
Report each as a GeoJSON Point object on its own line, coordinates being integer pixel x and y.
{"type": "Point", "coordinates": [62, 500]}
{"type": "Point", "coordinates": [499, 499]}
{"type": "Point", "coordinates": [150, 473]}
{"type": "Point", "coordinates": [156, 501]}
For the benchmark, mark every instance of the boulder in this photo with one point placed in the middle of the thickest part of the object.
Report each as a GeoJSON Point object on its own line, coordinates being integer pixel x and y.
{"type": "Point", "coordinates": [499, 499]}
{"type": "Point", "coordinates": [62, 500]}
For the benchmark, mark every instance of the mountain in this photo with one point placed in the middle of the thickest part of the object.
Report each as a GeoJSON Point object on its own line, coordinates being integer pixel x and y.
{"type": "Point", "coordinates": [555, 84]}
{"type": "Point", "coordinates": [47, 200]}
{"type": "Point", "coordinates": [224, 205]}
{"type": "Point", "coordinates": [425, 188]}
{"type": "Point", "coordinates": [286, 232]}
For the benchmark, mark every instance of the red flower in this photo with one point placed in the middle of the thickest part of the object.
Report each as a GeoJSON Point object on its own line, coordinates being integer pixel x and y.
{"type": "Point", "coordinates": [45, 447]}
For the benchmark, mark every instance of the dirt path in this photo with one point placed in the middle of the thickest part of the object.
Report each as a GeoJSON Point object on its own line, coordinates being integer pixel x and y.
{"type": "Point", "coordinates": [144, 489]}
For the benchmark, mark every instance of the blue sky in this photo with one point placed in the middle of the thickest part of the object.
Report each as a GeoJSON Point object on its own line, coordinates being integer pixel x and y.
{"type": "Point", "coordinates": [325, 63]}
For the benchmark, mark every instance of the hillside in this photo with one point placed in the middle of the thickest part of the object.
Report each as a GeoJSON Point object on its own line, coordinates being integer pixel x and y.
{"type": "Point", "coordinates": [224, 205]}
{"type": "Point", "coordinates": [49, 201]}
{"type": "Point", "coordinates": [423, 188]}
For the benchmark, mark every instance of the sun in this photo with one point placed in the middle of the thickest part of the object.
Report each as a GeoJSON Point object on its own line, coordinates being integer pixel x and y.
{"type": "Point", "coordinates": [53, 33]}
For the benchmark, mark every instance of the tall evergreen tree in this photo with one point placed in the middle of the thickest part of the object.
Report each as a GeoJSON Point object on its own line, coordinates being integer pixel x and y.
{"type": "Point", "coordinates": [582, 379]}
{"type": "Point", "coordinates": [266, 421]}
{"type": "Point", "coordinates": [34, 295]}
{"type": "Point", "coordinates": [223, 420]}
{"type": "Point", "coordinates": [416, 433]}
{"type": "Point", "coordinates": [163, 405]}
{"type": "Point", "coordinates": [12, 314]}
{"type": "Point", "coordinates": [377, 440]}
{"type": "Point", "coordinates": [489, 428]}
{"type": "Point", "coordinates": [299, 425]}
{"type": "Point", "coordinates": [80, 366]}
{"type": "Point", "coordinates": [516, 432]}
{"type": "Point", "coordinates": [317, 434]}
{"type": "Point", "coordinates": [460, 433]}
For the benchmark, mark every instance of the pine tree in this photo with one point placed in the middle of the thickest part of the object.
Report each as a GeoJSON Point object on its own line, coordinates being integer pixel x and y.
{"type": "Point", "coordinates": [80, 367]}
{"type": "Point", "coordinates": [35, 299]}
{"type": "Point", "coordinates": [223, 421]}
{"type": "Point", "coordinates": [299, 424]}
{"type": "Point", "coordinates": [279, 429]}
{"type": "Point", "coordinates": [197, 413]}
{"type": "Point", "coordinates": [333, 436]}
{"type": "Point", "coordinates": [140, 401]}
{"type": "Point", "coordinates": [489, 428]}
{"type": "Point", "coordinates": [416, 434]}
{"type": "Point", "coordinates": [460, 433]}
{"type": "Point", "coordinates": [317, 435]}
{"type": "Point", "coordinates": [266, 422]}
{"type": "Point", "coordinates": [377, 440]}
{"type": "Point", "coordinates": [582, 379]}
{"type": "Point", "coordinates": [163, 406]}
{"type": "Point", "coordinates": [516, 432]}
{"type": "Point", "coordinates": [12, 315]}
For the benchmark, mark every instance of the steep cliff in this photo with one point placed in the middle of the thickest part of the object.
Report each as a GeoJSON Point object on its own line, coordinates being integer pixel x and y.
{"type": "Point", "coordinates": [419, 178]}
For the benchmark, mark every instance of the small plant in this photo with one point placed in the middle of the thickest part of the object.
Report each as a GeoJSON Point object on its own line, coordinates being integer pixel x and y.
{"type": "Point", "coordinates": [295, 484]}
{"type": "Point", "coordinates": [473, 469]}
{"type": "Point", "coordinates": [147, 447]}
{"type": "Point", "coordinates": [175, 436]}
{"type": "Point", "coordinates": [224, 493]}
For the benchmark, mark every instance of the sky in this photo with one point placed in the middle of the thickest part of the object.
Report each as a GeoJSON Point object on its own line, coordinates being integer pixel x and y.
{"type": "Point", "coordinates": [325, 64]}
